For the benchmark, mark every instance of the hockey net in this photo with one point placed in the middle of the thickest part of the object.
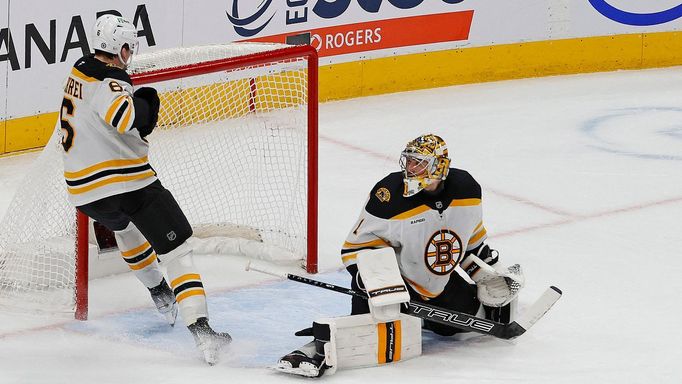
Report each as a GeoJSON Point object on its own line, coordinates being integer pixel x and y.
{"type": "Point", "coordinates": [236, 144]}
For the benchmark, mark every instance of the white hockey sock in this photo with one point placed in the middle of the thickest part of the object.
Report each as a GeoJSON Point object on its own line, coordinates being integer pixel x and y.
{"type": "Point", "coordinates": [139, 255]}
{"type": "Point", "coordinates": [186, 284]}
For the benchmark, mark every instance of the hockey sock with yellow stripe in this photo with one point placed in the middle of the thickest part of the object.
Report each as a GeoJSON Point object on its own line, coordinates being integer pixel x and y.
{"type": "Point", "coordinates": [139, 255]}
{"type": "Point", "coordinates": [186, 284]}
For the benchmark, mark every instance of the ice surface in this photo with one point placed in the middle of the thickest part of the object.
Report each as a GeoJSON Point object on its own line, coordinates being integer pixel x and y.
{"type": "Point", "coordinates": [582, 185]}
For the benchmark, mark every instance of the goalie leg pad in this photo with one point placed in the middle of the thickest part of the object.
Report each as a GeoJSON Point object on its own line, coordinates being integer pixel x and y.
{"type": "Point", "coordinates": [139, 255]}
{"type": "Point", "coordinates": [354, 342]}
{"type": "Point", "coordinates": [360, 341]}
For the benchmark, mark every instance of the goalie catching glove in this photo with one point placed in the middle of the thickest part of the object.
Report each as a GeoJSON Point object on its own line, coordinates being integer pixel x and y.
{"type": "Point", "coordinates": [496, 286]}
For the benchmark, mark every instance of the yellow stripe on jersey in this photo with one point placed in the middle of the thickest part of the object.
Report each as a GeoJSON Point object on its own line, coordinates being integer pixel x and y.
{"type": "Point", "coordinates": [129, 111]}
{"type": "Point", "coordinates": [411, 212]}
{"type": "Point", "coordinates": [111, 180]}
{"type": "Point", "coordinates": [478, 227]}
{"type": "Point", "coordinates": [373, 243]}
{"type": "Point", "coordinates": [465, 202]}
{"type": "Point", "coordinates": [423, 208]}
{"type": "Point", "coordinates": [105, 164]}
{"type": "Point", "coordinates": [82, 76]}
{"type": "Point", "coordinates": [113, 108]}
{"type": "Point", "coordinates": [477, 236]}
{"type": "Point", "coordinates": [115, 115]}
{"type": "Point", "coordinates": [421, 290]}
{"type": "Point", "coordinates": [348, 258]}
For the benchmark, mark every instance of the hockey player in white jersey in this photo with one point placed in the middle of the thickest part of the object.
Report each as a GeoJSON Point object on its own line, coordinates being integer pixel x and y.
{"type": "Point", "coordinates": [104, 125]}
{"type": "Point", "coordinates": [429, 217]}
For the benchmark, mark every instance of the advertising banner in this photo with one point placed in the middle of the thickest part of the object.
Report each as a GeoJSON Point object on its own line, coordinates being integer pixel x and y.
{"type": "Point", "coordinates": [383, 34]}
{"type": "Point", "coordinates": [40, 39]}
{"type": "Point", "coordinates": [341, 27]}
{"type": "Point", "coordinates": [348, 30]}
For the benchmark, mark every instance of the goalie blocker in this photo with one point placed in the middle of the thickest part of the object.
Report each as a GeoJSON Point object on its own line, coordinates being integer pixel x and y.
{"type": "Point", "coordinates": [382, 336]}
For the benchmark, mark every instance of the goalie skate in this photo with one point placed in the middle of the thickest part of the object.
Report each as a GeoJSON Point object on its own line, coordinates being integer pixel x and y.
{"type": "Point", "coordinates": [164, 299]}
{"type": "Point", "coordinates": [209, 341]}
{"type": "Point", "coordinates": [298, 363]}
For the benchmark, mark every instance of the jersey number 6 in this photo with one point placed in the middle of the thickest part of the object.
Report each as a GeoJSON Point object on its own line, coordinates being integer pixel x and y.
{"type": "Point", "coordinates": [67, 129]}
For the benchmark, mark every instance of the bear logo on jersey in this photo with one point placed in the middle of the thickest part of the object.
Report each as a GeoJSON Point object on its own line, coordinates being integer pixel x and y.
{"type": "Point", "coordinates": [383, 194]}
{"type": "Point", "coordinates": [443, 252]}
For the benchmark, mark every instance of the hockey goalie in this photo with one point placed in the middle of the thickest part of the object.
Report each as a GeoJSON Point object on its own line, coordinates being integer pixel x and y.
{"type": "Point", "coordinates": [420, 238]}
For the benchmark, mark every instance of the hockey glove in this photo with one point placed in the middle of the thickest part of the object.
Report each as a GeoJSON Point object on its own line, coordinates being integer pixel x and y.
{"type": "Point", "coordinates": [498, 287]}
{"type": "Point", "coordinates": [147, 104]}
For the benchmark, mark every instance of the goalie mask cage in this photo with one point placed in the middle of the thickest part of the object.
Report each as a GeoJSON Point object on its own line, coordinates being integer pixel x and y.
{"type": "Point", "coordinates": [236, 144]}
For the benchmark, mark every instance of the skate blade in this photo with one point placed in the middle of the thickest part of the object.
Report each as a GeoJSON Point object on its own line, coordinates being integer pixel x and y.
{"type": "Point", "coordinates": [307, 370]}
{"type": "Point", "coordinates": [212, 353]}
{"type": "Point", "coordinates": [172, 315]}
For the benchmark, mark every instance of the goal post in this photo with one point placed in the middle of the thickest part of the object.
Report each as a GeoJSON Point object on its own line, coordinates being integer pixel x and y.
{"type": "Point", "coordinates": [236, 143]}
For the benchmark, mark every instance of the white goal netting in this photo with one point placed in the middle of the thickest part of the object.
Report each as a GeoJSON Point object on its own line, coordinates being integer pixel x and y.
{"type": "Point", "coordinates": [231, 145]}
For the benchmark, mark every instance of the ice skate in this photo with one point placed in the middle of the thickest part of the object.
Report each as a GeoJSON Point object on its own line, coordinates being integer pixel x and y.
{"type": "Point", "coordinates": [209, 341]}
{"type": "Point", "coordinates": [300, 362]}
{"type": "Point", "coordinates": [164, 299]}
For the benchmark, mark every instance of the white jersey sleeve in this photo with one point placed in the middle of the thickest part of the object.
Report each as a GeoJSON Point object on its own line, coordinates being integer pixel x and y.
{"type": "Point", "coordinates": [113, 102]}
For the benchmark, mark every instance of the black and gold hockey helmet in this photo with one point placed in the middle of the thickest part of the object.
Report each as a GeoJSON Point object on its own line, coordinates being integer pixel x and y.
{"type": "Point", "coordinates": [424, 161]}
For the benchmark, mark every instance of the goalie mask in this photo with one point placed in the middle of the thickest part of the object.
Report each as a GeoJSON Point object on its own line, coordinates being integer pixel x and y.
{"type": "Point", "coordinates": [111, 33]}
{"type": "Point", "coordinates": [423, 162]}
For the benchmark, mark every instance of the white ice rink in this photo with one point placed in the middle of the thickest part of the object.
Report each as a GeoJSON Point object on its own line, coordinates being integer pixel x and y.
{"type": "Point", "coordinates": [582, 185]}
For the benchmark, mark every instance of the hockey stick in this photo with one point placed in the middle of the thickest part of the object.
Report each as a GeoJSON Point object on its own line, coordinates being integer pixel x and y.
{"type": "Point", "coordinates": [439, 315]}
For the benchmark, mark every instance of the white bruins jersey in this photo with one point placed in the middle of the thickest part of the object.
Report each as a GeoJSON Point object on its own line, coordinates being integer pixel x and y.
{"type": "Point", "coordinates": [429, 233]}
{"type": "Point", "coordinates": [103, 154]}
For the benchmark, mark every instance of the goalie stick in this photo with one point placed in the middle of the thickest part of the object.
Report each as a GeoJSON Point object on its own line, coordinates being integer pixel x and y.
{"type": "Point", "coordinates": [439, 315]}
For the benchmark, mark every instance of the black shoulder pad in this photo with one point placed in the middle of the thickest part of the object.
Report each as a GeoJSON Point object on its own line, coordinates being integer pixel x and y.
{"type": "Point", "coordinates": [461, 185]}
{"type": "Point", "coordinates": [386, 198]}
{"type": "Point", "coordinates": [90, 66]}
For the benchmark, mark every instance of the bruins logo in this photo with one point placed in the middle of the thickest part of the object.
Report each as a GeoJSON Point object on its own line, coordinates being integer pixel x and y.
{"type": "Point", "coordinates": [383, 194]}
{"type": "Point", "coordinates": [443, 252]}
